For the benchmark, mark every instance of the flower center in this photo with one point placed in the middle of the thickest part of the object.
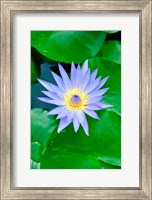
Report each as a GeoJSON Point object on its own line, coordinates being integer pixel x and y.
{"type": "Point", "coordinates": [75, 99]}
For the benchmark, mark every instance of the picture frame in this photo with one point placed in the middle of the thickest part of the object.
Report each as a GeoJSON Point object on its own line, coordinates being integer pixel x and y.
{"type": "Point", "coordinates": [8, 10]}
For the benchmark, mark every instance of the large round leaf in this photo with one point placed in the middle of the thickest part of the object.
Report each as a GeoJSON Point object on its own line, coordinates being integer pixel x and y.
{"type": "Point", "coordinates": [112, 69]}
{"type": "Point", "coordinates": [36, 151]}
{"type": "Point", "coordinates": [70, 150]}
{"type": "Point", "coordinates": [68, 46]}
{"type": "Point", "coordinates": [42, 126]}
{"type": "Point", "coordinates": [111, 50]}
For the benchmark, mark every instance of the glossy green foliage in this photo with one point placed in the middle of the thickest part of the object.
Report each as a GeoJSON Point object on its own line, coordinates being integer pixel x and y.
{"type": "Point", "coordinates": [70, 150]}
{"type": "Point", "coordinates": [42, 126]}
{"type": "Point", "coordinates": [68, 46]}
{"type": "Point", "coordinates": [111, 50]}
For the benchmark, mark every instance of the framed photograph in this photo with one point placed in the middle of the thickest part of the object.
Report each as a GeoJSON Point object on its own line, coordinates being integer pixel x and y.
{"type": "Point", "coordinates": [76, 99]}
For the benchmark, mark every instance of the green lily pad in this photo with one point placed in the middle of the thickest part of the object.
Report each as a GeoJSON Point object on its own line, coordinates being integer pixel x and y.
{"type": "Point", "coordinates": [68, 46]}
{"type": "Point", "coordinates": [70, 150]}
{"type": "Point", "coordinates": [111, 50]}
{"type": "Point", "coordinates": [42, 126]}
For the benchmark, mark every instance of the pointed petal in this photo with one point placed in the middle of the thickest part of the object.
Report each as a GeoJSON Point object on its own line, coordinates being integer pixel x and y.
{"type": "Point", "coordinates": [59, 81]}
{"type": "Point", "coordinates": [85, 126]}
{"type": "Point", "coordinates": [73, 73]}
{"type": "Point", "coordinates": [78, 76]}
{"type": "Point", "coordinates": [65, 77]}
{"type": "Point", "coordinates": [102, 91]}
{"type": "Point", "coordinates": [84, 67]}
{"type": "Point", "coordinates": [80, 116]}
{"type": "Point", "coordinates": [50, 101]}
{"type": "Point", "coordinates": [63, 123]}
{"type": "Point", "coordinates": [103, 81]}
{"type": "Point", "coordinates": [98, 92]}
{"type": "Point", "coordinates": [45, 84]}
{"type": "Point", "coordinates": [93, 75]}
{"type": "Point", "coordinates": [92, 85]}
{"type": "Point", "coordinates": [63, 114]}
{"type": "Point", "coordinates": [76, 123]}
{"type": "Point", "coordinates": [93, 107]}
{"type": "Point", "coordinates": [45, 99]}
{"type": "Point", "coordinates": [91, 113]}
{"type": "Point", "coordinates": [55, 102]}
{"type": "Point", "coordinates": [51, 87]}
{"type": "Point", "coordinates": [56, 110]}
{"type": "Point", "coordinates": [52, 95]}
{"type": "Point", "coordinates": [85, 80]}
{"type": "Point", "coordinates": [57, 90]}
{"type": "Point", "coordinates": [70, 115]}
{"type": "Point", "coordinates": [104, 105]}
{"type": "Point", "coordinates": [83, 121]}
{"type": "Point", "coordinates": [94, 99]}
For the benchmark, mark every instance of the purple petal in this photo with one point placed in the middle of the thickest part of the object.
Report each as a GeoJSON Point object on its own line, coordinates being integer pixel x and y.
{"type": "Point", "coordinates": [59, 81]}
{"type": "Point", "coordinates": [56, 111]}
{"type": "Point", "coordinates": [94, 99]}
{"type": "Point", "coordinates": [103, 81]}
{"type": "Point", "coordinates": [78, 76]}
{"type": "Point", "coordinates": [85, 126]}
{"type": "Point", "coordinates": [102, 91]}
{"type": "Point", "coordinates": [73, 72]}
{"type": "Point", "coordinates": [51, 87]}
{"type": "Point", "coordinates": [55, 102]}
{"type": "Point", "coordinates": [52, 95]}
{"type": "Point", "coordinates": [98, 92]}
{"type": "Point", "coordinates": [93, 107]}
{"type": "Point", "coordinates": [70, 115]}
{"type": "Point", "coordinates": [92, 85]}
{"type": "Point", "coordinates": [65, 77]}
{"type": "Point", "coordinates": [46, 84]}
{"type": "Point", "coordinates": [83, 121]}
{"type": "Point", "coordinates": [85, 80]}
{"type": "Point", "coordinates": [45, 99]}
{"type": "Point", "coordinates": [57, 90]}
{"type": "Point", "coordinates": [80, 116]}
{"type": "Point", "coordinates": [63, 123]}
{"type": "Point", "coordinates": [76, 123]}
{"type": "Point", "coordinates": [84, 67]}
{"type": "Point", "coordinates": [63, 114]}
{"type": "Point", "coordinates": [103, 105]}
{"type": "Point", "coordinates": [91, 113]}
{"type": "Point", "coordinates": [93, 75]}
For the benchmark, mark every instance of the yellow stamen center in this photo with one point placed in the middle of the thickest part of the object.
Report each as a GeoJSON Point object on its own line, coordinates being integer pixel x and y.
{"type": "Point", "coordinates": [75, 99]}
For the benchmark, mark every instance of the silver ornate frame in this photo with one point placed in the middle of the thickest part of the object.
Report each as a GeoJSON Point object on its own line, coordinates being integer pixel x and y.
{"type": "Point", "coordinates": [8, 9]}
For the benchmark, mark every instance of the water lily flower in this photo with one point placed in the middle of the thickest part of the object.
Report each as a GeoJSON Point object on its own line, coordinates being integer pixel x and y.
{"type": "Point", "coordinates": [75, 97]}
